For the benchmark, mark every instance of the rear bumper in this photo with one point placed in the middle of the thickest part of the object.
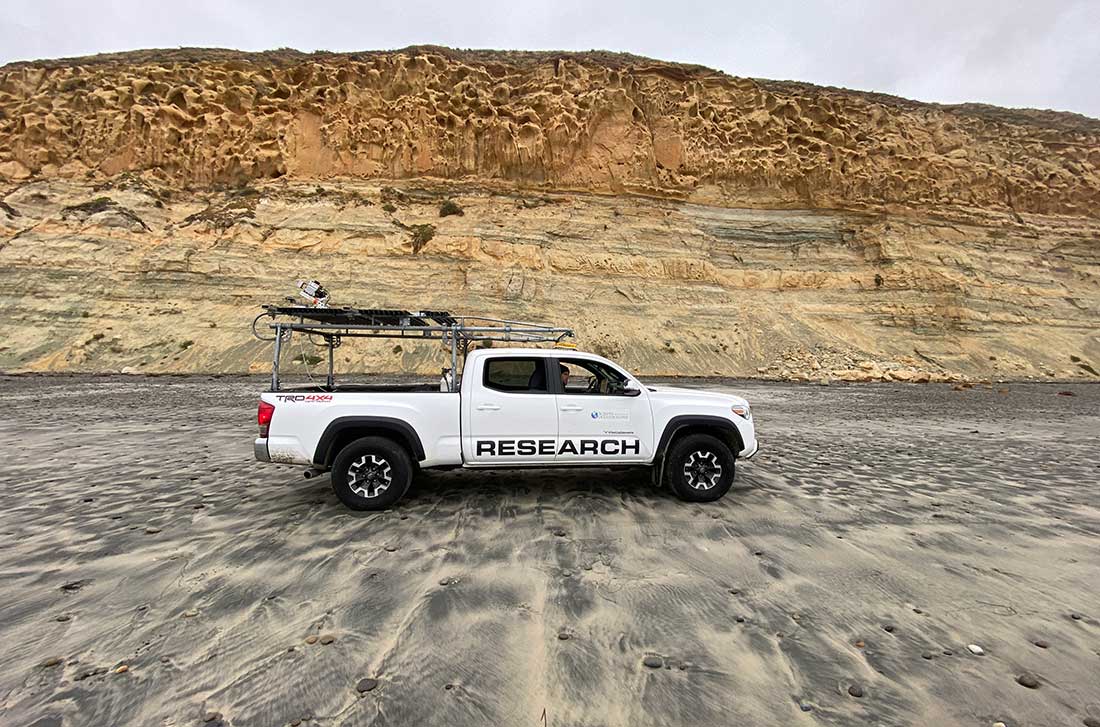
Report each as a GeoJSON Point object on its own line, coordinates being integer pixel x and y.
{"type": "Point", "coordinates": [259, 448]}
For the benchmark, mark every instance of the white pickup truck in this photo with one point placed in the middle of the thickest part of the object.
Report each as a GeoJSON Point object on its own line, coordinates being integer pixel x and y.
{"type": "Point", "coordinates": [514, 407]}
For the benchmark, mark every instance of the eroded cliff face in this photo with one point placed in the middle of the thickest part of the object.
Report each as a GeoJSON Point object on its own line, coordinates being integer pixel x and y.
{"type": "Point", "coordinates": [684, 221]}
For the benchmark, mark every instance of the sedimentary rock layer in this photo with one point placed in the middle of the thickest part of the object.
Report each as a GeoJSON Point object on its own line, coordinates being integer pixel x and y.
{"type": "Point", "coordinates": [130, 275]}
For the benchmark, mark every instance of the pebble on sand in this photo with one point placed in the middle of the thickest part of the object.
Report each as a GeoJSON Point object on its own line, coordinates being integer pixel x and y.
{"type": "Point", "coordinates": [151, 530]}
{"type": "Point", "coordinates": [327, 639]}
{"type": "Point", "coordinates": [444, 581]}
{"type": "Point", "coordinates": [1076, 616]}
{"type": "Point", "coordinates": [122, 669]}
{"type": "Point", "coordinates": [860, 644]}
{"type": "Point", "coordinates": [63, 617]}
{"type": "Point", "coordinates": [311, 639]}
{"type": "Point", "coordinates": [1041, 644]}
{"type": "Point", "coordinates": [190, 613]}
{"type": "Point", "coordinates": [211, 716]}
{"type": "Point", "coordinates": [52, 661]}
{"type": "Point", "coordinates": [560, 532]}
{"type": "Point", "coordinates": [391, 548]}
{"type": "Point", "coordinates": [975, 649]}
{"type": "Point", "coordinates": [1091, 722]}
{"type": "Point", "coordinates": [653, 662]}
{"type": "Point", "coordinates": [888, 628]}
{"type": "Point", "coordinates": [927, 655]}
{"type": "Point", "coordinates": [1029, 680]}
{"type": "Point", "coordinates": [855, 690]}
{"type": "Point", "coordinates": [564, 636]}
{"type": "Point", "coordinates": [366, 685]}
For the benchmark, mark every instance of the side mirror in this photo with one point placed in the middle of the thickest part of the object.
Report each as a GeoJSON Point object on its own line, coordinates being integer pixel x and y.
{"type": "Point", "coordinates": [631, 391]}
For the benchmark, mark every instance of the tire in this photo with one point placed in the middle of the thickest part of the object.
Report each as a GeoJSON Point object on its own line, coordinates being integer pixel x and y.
{"type": "Point", "coordinates": [699, 468]}
{"type": "Point", "coordinates": [371, 473]}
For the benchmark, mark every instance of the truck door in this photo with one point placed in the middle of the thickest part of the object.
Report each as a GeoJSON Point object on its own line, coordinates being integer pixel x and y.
{"type": "Point", "coordinates": [511, 416]}
{"type": "Point", "coordinates": [603, 414]}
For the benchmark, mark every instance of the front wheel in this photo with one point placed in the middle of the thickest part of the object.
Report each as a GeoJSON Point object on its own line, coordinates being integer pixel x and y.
{"type": "Point", "coordinates": [371, 473]}
{"type": "Point", "coordinates": [699, 468]}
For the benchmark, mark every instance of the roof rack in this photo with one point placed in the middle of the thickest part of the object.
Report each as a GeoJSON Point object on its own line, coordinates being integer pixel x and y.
{"type": "Point", "coordinates": [334, 324]}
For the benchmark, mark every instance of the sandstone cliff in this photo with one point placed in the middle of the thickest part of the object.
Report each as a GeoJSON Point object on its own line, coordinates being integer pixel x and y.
{"type": "Point", "coordinates": [683, 220]}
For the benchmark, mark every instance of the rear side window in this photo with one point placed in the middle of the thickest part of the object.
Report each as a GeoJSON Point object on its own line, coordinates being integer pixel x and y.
{"type": "Point", "coordinates": [516, 375]}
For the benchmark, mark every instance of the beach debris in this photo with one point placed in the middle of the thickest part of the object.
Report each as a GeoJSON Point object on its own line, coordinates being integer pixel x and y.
{"type": "Point", "coordinates": [52, 661]}
{"type": "Point", "coordinates": [122, 669]}
{"type": "Point", "coordinates": [366, 685]}
{"type": "Point", "coordinates": [860, 644]}
{"type": "Point", "coordinates": [856, 691]}
{"type": "Point", "coordinates": [1041, 644]}
{"type": "Point", "coordinates": [652, 661]}
{"type": "Point", "coordinates": [311, 639]}
{"type": "Point", "coordinates": [327, 639]}
{"type": "Point", "coordinates": [975, 649]}
{"type": "Point", "coordinates": [1029, 680]}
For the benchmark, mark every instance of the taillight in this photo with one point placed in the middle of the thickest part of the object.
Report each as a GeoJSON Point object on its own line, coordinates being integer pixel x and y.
{"type": "Point", "coordinates": [263, 417]}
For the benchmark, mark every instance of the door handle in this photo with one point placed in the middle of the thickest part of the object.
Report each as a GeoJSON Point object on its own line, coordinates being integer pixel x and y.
{"type": "Point", "coordinates": [488, 407]}
{"type": "Point", "coordinates": [572, 408]}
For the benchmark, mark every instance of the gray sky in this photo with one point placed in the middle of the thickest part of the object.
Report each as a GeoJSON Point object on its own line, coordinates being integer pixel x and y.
{"type": "Point", "coordinates": [1005, 52]}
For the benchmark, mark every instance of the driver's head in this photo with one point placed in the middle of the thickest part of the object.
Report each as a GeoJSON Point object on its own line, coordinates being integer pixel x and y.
{"type": "Point", "coordinates": [564, 374]}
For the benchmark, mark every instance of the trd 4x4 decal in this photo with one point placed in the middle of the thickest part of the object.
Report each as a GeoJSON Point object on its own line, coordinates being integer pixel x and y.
{"type": "Point", "coordinates": [304, 397]}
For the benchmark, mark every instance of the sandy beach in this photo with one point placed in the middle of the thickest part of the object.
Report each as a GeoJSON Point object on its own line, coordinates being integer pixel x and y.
{"type": "Point", "coordinates": [151, 573]}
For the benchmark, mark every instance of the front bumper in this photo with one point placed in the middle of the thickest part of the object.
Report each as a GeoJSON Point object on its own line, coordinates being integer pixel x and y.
{"type": "Point", "coordinates": [259, 448]}
{"type": "Point", "coordinates": [752, 451]}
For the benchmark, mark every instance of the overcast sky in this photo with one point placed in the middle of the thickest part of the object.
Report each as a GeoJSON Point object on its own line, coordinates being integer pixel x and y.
{"type": "Point", "coordinates": [1005, 52]}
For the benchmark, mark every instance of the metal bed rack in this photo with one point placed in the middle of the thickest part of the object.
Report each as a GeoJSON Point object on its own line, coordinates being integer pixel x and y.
{"type": "Point", "coordinates": [335, 324]}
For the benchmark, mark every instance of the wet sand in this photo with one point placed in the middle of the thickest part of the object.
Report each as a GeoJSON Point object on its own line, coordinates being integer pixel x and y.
{"type": "Point", "coordinates": [882, 530]}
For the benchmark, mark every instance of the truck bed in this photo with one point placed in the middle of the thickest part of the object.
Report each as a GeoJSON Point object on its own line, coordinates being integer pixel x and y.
{"type": "Point", "coordinates": [365, 388]}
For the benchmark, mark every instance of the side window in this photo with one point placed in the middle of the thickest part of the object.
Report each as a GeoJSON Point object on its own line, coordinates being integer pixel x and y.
{"type": "Point", "coordinates": [590, 377]}
{"type": "Point", "coordinates": [516, 375]}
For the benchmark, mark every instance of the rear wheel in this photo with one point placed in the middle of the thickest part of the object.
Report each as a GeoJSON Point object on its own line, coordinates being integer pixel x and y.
{"type": "Point", "coordinates": [371, 473]}
{"type": "Point", "coordinates": [699, 468]}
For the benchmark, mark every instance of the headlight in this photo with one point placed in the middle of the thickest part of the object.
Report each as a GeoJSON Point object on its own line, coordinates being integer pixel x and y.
{"type": "Point", "coordinates": [741, 410]}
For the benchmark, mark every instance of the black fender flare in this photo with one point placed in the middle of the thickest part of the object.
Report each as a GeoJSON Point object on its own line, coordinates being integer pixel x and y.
{"type": "Point", "coordinates": [396, 428]}
{"type": "Point", "coordinates": [678, 424]}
